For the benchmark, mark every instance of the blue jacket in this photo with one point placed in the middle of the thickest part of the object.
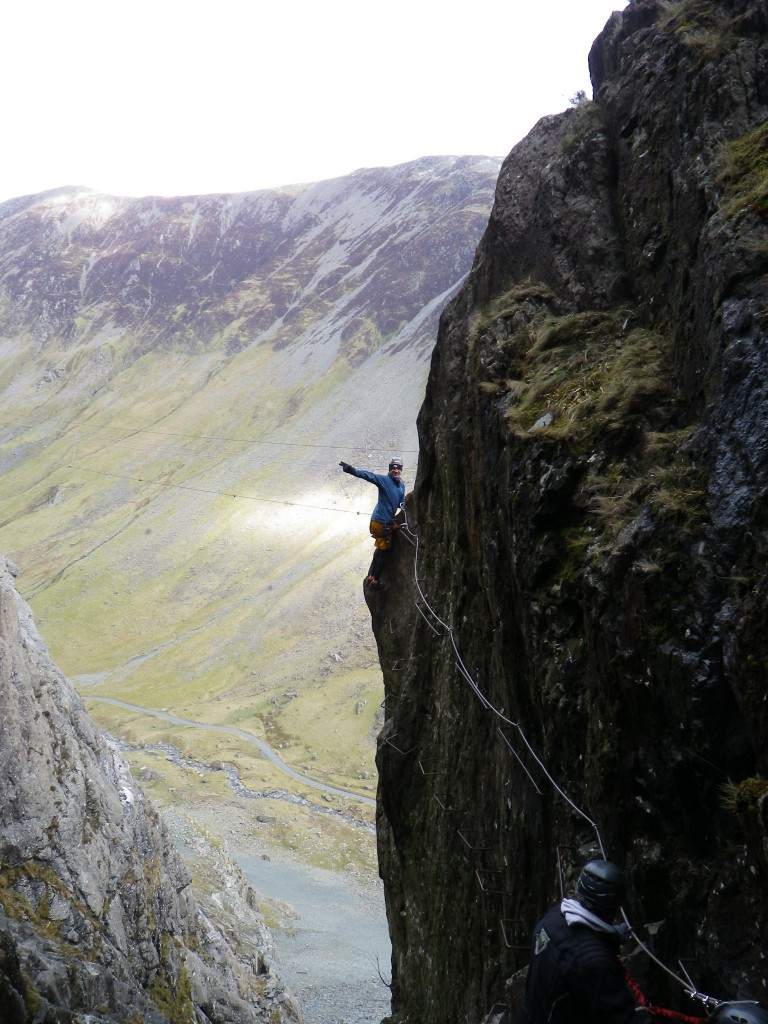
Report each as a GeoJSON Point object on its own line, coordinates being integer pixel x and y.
{"type": "Point", "coordinates": [391, 494]}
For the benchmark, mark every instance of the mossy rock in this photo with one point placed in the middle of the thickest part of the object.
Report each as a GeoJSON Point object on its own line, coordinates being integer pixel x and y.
{"type": "Point", "coordinates": [743, 174]}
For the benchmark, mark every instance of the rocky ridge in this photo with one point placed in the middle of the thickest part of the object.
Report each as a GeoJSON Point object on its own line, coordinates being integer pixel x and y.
{"type": "Point", "coordinates": [578, 656]}
{"type": "Point", "coordinates": [98, 920]}
{"type": "Point", "coordinates": [344, 257]}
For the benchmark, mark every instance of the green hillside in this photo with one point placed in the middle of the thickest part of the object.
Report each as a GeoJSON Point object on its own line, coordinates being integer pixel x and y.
{"type": "Point", "coordinates": [170, 486]}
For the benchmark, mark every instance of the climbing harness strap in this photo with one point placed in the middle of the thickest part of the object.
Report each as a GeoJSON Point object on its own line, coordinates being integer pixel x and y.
{"type": "Point", "coordinates": [383, 534]}
{"type": "Point", "coordinates": [657, 1011]}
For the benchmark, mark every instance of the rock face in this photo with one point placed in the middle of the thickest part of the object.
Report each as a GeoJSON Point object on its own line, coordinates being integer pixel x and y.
{"type": "Point", "coordinates": [574, 651]}
{"type": "Point", "coordinates": [98, 921]}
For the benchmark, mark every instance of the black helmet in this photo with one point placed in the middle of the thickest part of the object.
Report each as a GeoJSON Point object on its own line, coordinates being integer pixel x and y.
{"type": "Point", "coordinates": [602, 887]}
{"type": "Point", "coordinates": [740, 1013]}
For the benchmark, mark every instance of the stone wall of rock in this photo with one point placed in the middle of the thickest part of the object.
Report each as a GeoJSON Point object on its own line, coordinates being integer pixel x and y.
{"type": "Point", "coordinates": [98, 921]}
{"type": "Point", "coordinates": [574, 653]}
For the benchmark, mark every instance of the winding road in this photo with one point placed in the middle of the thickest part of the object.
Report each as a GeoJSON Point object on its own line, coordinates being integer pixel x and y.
{"type": "Point", "coordinates": [232, 730]}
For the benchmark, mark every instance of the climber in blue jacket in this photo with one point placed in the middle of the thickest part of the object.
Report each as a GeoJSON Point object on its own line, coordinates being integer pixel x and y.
{"type": "Point", "coordinates": [382, 526]}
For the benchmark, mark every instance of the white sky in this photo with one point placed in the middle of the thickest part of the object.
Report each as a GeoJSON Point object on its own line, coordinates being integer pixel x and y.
{"type": "Point", "coordinates": [167, 97]}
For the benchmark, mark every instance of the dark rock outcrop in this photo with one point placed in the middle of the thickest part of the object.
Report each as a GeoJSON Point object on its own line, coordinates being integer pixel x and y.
{"type": "Point", "coordinates": [578, 655]}
{"type": "Point", "coordinates": [98, 921]}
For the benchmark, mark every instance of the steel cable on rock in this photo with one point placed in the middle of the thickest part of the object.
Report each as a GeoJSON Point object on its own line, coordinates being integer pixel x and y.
{"type": "Point", "coordinates": [165, 487]}
{"type": "Point", "coordinates": [128, 440]}
{"type": "Point", "coordinates": [224, 494]}
{"type": "Point", "coordinates": [487, 704]}
{"type": "Point", "coordinates": [415, 541]}
{"type": "Point", "coordinates": [229, 438]}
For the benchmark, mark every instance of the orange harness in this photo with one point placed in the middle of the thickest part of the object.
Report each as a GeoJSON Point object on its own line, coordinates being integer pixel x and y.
{"type": "Point", "coordinates": [383, 534]}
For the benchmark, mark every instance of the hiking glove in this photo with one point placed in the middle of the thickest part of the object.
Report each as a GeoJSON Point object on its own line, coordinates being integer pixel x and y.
{"type": "Point", "coordinates": [346, 467]}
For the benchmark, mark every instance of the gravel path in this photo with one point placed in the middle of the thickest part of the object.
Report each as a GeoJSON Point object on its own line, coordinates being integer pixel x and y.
{"type": "Point", "coordinates": [333, 949]}
{"type": "Point", "coordinates": [335, 953]}
{"type": "Point", "coordinates": [232, 730]}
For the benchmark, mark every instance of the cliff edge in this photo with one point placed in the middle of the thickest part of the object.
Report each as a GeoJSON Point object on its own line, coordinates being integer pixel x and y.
{"type": "Point", "coordinates": [574, 639]}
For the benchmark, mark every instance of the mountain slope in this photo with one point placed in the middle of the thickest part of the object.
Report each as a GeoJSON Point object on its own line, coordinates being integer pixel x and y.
{"type": "Point", "coordinates": [179, 379]}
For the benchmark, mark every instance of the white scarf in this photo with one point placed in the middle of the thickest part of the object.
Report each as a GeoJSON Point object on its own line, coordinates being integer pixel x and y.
{"type": "Point", "coordinates": [574, 913]}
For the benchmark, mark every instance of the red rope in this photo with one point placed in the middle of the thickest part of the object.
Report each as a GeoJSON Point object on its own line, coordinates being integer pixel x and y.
{"type": "Point", "coordinates": [658, 1011]}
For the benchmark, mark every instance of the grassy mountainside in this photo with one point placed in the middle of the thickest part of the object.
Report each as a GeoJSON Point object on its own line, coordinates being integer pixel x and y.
{"type": "Point", "coordinates": [179, 380]}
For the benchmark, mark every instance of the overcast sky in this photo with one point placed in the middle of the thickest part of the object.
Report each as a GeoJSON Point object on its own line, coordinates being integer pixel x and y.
{"type": "Point", "coordinates": [173, 98]}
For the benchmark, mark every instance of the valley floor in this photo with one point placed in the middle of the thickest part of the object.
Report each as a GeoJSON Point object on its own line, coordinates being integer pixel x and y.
{"type": "Point", "coordinates": [335, 953]}
{"type": "Point", "coordinates": [329, 928]}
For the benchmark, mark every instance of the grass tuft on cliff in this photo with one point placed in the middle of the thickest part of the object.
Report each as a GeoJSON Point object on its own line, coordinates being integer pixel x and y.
{"type": "Point", "coordinates": [587, 372]}
{"type": "Point", "coordinates": [743, 174]}
{"type": "Point", "coordinates": [597, 385]}
{"type": "Point", "coordinates": [704, 28]}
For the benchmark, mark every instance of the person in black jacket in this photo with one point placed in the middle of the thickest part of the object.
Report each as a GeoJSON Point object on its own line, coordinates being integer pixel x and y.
{"type": "Point", "coordinates": [575, 976]}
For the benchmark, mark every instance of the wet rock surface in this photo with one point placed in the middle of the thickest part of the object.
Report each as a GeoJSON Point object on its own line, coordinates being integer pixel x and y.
{"type": "Point", "coordinates": [577, 655]}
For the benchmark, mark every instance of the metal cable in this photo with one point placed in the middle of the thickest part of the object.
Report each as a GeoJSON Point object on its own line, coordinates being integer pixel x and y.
{"type": "Point", "coordinates": [486, 703]}
{"type": "Point", "coordinates": [464, 671]}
